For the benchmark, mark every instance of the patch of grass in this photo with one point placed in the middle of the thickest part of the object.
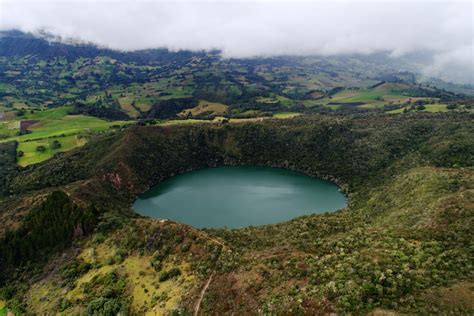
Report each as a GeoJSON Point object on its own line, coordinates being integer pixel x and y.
{"type": "Point", "coordinates": [181, 122]}
{"type": "Point", "coordinates": [5, 87]}
{"type": "Point", "coordinates": [51, 114]}
{"type": "Point", "coordinates": [44, 296]}
{"type": "Point", "coordinates": [126, 105]}
{"type": "Point", "coordinates": [31, 155]}
{"type": "Point", "coordinates": [3, 311]}
{"type": "Point", "coordinates": [284, 115]}
{"type": "Point", "coordinates": [376, 97]}
{"type": "Point", "coordinates": [431, 108]}
{"type": "Point", "coordinates": [276, 99]}
{"type": "Point", "coordinates": [214, 108]}
{"type": "Point", "coordinates": [53, 124]}
{"type": "Point", "coordinates": [143, 282]}
{"type": "Point", "coordinates": [56, 122]}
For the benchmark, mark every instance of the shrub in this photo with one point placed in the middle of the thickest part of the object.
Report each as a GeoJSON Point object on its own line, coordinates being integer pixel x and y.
{"type": "Point", "coordinates": [166, 275]}
{"type": "Point", "coordinates": [56, 144]}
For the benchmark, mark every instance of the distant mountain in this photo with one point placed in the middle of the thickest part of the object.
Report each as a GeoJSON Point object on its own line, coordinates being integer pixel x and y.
{"type": "Point", "coordinates": [16, 43]}
{"type": "Point", "coordinates": [33, 73]}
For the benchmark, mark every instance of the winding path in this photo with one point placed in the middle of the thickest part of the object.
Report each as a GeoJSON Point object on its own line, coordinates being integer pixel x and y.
{"type": "Point", "coordinates": [203, 291]}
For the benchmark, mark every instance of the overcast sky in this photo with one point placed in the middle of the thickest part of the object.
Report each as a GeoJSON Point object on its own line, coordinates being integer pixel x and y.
{"type": "Point", "coordinates": [256, 28]}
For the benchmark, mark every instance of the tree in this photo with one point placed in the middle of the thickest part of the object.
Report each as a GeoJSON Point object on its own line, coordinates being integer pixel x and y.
{"type": "Point", "coordinates": [40, 148]}
{"type": "Point", "coordinates": [56, 144]}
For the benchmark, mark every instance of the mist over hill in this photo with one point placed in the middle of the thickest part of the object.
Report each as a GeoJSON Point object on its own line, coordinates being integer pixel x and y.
{"type": "Point", "coordinates": [438, 31]}
{"type": "Point", "coordinates": [376, 66]}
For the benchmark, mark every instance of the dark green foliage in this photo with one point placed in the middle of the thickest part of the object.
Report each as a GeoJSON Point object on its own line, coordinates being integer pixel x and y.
{"type": "Point", "coordinates": [105, 295]}
{"type": "Point", "coordinates": [107, 307]}
{"type": "Point", "coordinates": [64, 304]}
{"type": "Point", "coordinates": [107, 113]}
{"type": "Point", "coordinates": [7, 292]}
{"type": "Point", "coordinates": [452, 106]}
{"type": "Point", "coordinates": [156, 264]}
{"type": "Point", "coordinates": [47, 228]}
{"type": "Point", "coordinates": [7, 164]}
{"type": "Point", "coordinates": [172, 273]}
{"type": "Point", "coordinates": [169, 108]}
{"type": "Point", "coordinates": [40, 148]}
{"type": "Point", "coordinates": [56, 144]}
{"type": "Point", "coordinates": [74, 270]}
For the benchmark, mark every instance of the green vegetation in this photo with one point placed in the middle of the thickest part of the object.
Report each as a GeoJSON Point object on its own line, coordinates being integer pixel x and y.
{"type": "Point", "coordinates": [50, 128]}
{"type": "Point", "coordinates": [404, 236]}
{"type": "Point", "coordinates": [84, 90]}
{"type": "Point", "coordinates": [172, 273]}
{"type": "Point", "coordinates": [31, 155]}
{"type": "Point", "coordinates": [70, 243]}
{"type": "Point", "coordinates": [7, 163]}
{"type": "Point", "coordinates": [205, 110]}
{"type": "Point", "coordinates": [50, 226]}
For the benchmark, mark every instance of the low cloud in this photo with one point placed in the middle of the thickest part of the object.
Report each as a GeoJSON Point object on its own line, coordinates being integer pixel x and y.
{"type": "Point", "coordinates": [263, 28]}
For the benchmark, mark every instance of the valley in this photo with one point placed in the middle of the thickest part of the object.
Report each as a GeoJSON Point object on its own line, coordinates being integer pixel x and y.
{"type": "Point", "coordinates": [66, 94]}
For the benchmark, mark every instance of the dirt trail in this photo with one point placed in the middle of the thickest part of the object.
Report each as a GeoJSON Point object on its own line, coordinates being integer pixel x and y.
{"type": "Point", "coordinates": [203, 291]}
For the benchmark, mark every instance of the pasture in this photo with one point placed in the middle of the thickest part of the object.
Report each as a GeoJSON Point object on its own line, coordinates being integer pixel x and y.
{"type": "Point", "coordinates": [54, 124]}
{"type": "Point", "coordinates": [212, 108]}
{"type": "Point", "coordinates": [3, 310]}
{"type": "Point", "coordinates": [372, 97]}
{"type": "Point", "coordinates": [431, 108]}
{"type": "Point", "coordinates": [31, 155]}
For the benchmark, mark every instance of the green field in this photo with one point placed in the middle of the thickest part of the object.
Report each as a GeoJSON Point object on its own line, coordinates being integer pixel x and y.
{"type": "Point", "coordinates": [56, 122]}
{"type": "Point", "coordinates": [214, 108]}
{"type": "Point", "coordinates": [218, 119]}
{"type": "Point", "coordinates": [3, 310]}
{"type": "Point", "coordinates": [387, 93]}
{"type": "Point", "coordinates": [285, 101]}
{"type": "Point", "coordinates": [72, 131]}
{"type": "Point", "coordinates": [431, 108]}
{"type": "Point", "coordinates": [53, 124]}
{"type": "Point", "coordinates": [31, 155]}
{"type": "Point", "coordinates": [284, 115]}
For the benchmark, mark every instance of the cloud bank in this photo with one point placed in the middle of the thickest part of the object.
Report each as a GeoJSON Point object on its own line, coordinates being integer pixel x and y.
{"type": "Point", "coordinates": [262, 28]}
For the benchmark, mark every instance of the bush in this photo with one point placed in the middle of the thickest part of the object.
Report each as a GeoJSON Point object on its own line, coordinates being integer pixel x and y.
{"type": "Point", "coordinates": [452, 106]}
{"type": "Point", "coordinates": [56, 144]}
{"type": "Point", "coordinates": [166, 275]}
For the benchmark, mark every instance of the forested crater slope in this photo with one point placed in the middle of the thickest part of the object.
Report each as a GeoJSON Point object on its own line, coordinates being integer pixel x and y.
{"type": "Point", "coordinates": [403, 241]}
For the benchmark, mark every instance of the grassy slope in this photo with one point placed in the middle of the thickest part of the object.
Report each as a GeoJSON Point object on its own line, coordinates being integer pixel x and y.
{"type": "Point", "coordinates": [117, 254]}
{"type": "Point", "coordinates": [205, 106]}
{"type": "Point", "coordinates": [373, 97]}
{"type": "Point", "coordinates": [32, 156]}
{"type": "Point", "coordinates": [432, 108]}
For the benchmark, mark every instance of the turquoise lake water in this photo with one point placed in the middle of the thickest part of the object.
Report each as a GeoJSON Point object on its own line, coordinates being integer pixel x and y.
{"type": "Point", "coordinates": [238, 196]}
